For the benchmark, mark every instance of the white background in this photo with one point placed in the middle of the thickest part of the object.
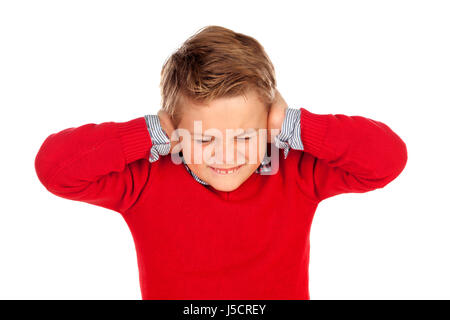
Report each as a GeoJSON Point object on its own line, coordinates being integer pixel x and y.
{"type": "Point", "coordinates": [67, 63]}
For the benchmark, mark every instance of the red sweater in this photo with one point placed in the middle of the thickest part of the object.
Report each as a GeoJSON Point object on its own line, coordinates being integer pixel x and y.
{"type": "Point", "coordinates": [195, 242]}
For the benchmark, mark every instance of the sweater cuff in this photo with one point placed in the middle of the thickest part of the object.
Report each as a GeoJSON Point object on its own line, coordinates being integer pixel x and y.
{"type": "Point", "coordinates": [135, 139]}
{"type": "Point", "coordinates": [290, 136]}
{"type": "Point", "coordinates": [160, 140]}
{"type": "Point", "coordinates": [314, 129]}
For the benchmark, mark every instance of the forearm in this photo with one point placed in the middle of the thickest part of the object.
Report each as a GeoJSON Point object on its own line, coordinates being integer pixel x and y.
{"type": "Point", "coordinates": [96, 163]}
{"type": "Point", "coordinates": [353, 153]}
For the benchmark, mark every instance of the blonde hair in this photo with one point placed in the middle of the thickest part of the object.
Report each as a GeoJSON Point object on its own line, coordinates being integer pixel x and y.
{"type": "Point", "coordinates": [215, 62]}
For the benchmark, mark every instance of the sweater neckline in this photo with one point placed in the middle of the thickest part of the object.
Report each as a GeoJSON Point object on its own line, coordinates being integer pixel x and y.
{"type": "Point", "coordinates": [247, 189]}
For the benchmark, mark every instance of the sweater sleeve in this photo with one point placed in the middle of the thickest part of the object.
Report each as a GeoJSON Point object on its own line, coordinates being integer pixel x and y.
{"type": "Point", "coordinates": [104, 164]}
{"type": "Point", "coordinates": [343, 154]}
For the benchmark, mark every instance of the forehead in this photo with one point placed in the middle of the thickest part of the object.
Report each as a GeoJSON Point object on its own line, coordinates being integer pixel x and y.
{"type": "Point", "coordinates": [246, 111]}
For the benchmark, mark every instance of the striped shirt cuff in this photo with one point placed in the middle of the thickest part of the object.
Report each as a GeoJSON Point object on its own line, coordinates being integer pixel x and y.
{"type": "Point", "coordinates": [160, 140]}
{"type": "Point", "coordinates": [290, 135]}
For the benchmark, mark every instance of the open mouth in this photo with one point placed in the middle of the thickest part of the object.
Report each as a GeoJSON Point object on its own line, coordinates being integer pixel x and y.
{"type": "Point", "coordinates": [226, 171]}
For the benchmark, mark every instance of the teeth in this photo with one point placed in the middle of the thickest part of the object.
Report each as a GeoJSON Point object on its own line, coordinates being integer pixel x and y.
{"type": "Point", "coordinates": [225, 171]}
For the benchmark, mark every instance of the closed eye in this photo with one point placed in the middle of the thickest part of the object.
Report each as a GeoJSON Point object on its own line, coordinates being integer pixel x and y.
{"type": "Point", "coordinates": [203, 141]}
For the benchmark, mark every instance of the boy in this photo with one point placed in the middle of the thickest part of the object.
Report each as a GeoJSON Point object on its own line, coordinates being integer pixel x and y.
{"type": "Point", "coordinates": [209, 226]}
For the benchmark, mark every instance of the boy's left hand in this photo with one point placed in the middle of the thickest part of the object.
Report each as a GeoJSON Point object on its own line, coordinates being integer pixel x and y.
{"type": "Point", "coordinates": [276, 116]}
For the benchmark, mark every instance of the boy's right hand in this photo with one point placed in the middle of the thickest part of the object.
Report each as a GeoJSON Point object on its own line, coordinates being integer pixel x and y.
{"type": "Point", "coordinates": [169, 129]}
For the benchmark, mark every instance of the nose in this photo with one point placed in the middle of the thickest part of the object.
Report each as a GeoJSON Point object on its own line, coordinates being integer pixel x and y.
{"type": "Point", "coordinates": [229, 152]}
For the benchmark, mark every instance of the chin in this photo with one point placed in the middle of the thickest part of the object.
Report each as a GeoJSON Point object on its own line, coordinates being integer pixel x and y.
{"type": "Point", "coordinates": [225, 186]}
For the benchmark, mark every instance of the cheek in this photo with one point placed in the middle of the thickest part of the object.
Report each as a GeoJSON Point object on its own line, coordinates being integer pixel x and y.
{"type": "Point", "coordinates": [256, 150]}
{"type": "Point", "coordinates": [192, 152]}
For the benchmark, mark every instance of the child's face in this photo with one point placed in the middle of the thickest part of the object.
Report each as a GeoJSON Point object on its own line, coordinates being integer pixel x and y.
{"type": "Point", "coordinates": [227, 136]}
